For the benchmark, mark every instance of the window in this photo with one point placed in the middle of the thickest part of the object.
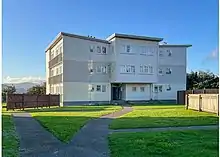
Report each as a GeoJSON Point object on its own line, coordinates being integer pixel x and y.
{"type": "Point", "coordinates": [141, 69]}
{"type": "Point", "coordinates": [103, 88]}
{"type": "Point", "coordinates": [128, 48]}
{"type": "Point", "coordinates": [150, 51]}
{"type": "Point", "coordinates": [156, 89]}
{"type": "Point", "coordinates": [60, 69]}
{"type": "Point", "coordinates": [61, 49]}
{"type": "Point", "coordinates": [57, 51]}
{"type": "Point", "coordinates": [168, 71]}
{"type": "Point", "coordinates": [146, 69]}
{"type": "Point", "coordinates": [160, 71]}
{"type": "Point", "coordinates": [91, 48]}
{"type": "Point", "coordinates": [98, 69]}
{"type": "Point", "coordinates": [91, 88]}
{"type": "Point", "coordinates": [151, 70]}
{"type": "Point", "coordinates": [161, 53]}
{"type": "Point", "coordinates": [104, 69]}
{"type": "Point", "coordinates": [143, 50]}
{"type": "Point", "coordinates": [142, 89]}
{"type": "Point", "coordinates": [169, 53]}
{"type": "Point", "coordinates": [168, 88]}
{"type": "Point", "coordinates": [52, 55]}
{"type": "Point", "coordinates": [51, 72]}
{"type": "Point", "coordinates": [98, 49]}
{"type": "Point", "coordinates": [104, 50]}
{"type": "Point", "coordinates": [98, 88]}
{"type": "Point", "coordinates": [160, 88]}
{"type": "Point", "coordinates": [127, 69]}
{"type": "Point", "coordinates": [134, 89]}
{"type": "Point", "coordinates": [57, 71]}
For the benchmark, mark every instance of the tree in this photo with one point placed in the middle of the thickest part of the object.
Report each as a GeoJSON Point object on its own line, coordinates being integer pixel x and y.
{"type": "Point", "coordinates": [38, 89]}
{"type": "Point", "coordinates": [201, 80]}
{"type": "Point", "coordinates": [7, 89]}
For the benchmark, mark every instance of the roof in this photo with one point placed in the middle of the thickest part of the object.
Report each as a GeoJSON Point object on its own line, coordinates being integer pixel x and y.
{"type": "Point", "coordinates": [117, 35]}
{"type": "Point", "coordinates": [175, 45]}
{"type": "Point", "coordinates": [61, 34]}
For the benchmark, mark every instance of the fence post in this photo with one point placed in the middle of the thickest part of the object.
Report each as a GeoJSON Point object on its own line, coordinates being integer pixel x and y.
{"type": "Point", "coordinates": [200, 101]}
{"type": "Point", "coordinates": [22, 101]}
{"type": "Point", "coordinates": [7, 101]}
{"type": "Point", "coordinates": [186, 101]}
{"type": "Point", "coordinates": [49, 100]}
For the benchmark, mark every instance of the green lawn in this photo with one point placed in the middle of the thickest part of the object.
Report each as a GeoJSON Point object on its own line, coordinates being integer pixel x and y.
{"type": "Point", "coordinates": [162, 116]}
{"type": "Point", "coordinates": [10, 144]}
{"type": "Point", "coordinates": [66, 121]}
{"type": "Point", "coordinates": [194, 143]}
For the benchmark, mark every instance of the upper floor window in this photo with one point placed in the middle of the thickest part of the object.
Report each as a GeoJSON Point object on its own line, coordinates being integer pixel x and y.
{"type": "Point", "coordinates": [134, 89]}
{"type": "Point", "coordinates": [168, 87]}
{"type": "Point", "coordinates": [61, 49]}
{"type": "Point", "coordinates": [91, 48]}
{"type": "Point", "coordinates": [142, 89]}
{"type": "Point", "coordinates": [52, 55]}
{"type": "Point", "coordinates": [160, 71]}
{"type": "Point", "coordinates": [98, 49]}
{"type": "Point", "coordinates": [143, 50]}
{"type": "Point", "coordinates": [128, 69]}
{"type": "Point", "coordinates": [169, 53]}
{"type": "Point", "coordinates": [146, 69]}
{"type": "Point", "coordinates": [103, 50]}
{"type": "Point", "coordinates": [168, 71]}
{"type": "Point", "coordinates": [160, 53]}
{"type": "Point", "coordinates": [103, 88]}
{"type": "Point", "coordinates": [98, 88]}
{"type": "Point", "coordinates": [150, 51]}
{"type": "Point", "coordinates": [101, 69]}
{"type": "Point", "coordinates": [128, 48]}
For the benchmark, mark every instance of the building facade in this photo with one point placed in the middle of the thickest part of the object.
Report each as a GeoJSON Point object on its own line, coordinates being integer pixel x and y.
{"type": "Point", "coordinates": [121, 68]}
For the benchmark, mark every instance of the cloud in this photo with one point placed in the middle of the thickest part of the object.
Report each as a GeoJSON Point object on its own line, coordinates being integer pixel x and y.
{"type": "Point", "coordinates": [31, 79]}
{"type": "Point", "coordinates": [212, 56]}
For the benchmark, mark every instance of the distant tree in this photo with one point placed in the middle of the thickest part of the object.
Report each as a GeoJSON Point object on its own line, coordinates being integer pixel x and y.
{"type": "Point", "coordinates": [7, 89]}
{"type": "Point", "coordinates": [201, 80]}
{"type": "Point", "coordinates": [38, 89]}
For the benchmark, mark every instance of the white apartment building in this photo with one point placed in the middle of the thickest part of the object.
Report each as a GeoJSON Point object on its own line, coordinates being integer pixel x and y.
{"type": "Point", "coordinates": [123, 67]}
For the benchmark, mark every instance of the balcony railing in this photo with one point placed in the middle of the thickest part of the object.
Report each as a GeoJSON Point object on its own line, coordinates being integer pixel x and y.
{"type": "Point", "coordinates": [56, 60]}
{"type": "Point", "coordinates": [55, 79]}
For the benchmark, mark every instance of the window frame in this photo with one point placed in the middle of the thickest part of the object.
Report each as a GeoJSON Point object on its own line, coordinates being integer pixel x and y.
{"type": "Point", "coordinates": [142, 89]}
{"type": "Point", "coordinates": [98, 89]}
{"type": "Point", "coordinates": [132, 89]}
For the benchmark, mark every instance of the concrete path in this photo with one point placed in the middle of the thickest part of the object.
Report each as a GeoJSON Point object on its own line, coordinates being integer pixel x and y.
{"type": "Point", "coordinates": [207, 127]}
{"type": "Point", "coordinates": [34, 139]}
{"type": "Point", "coordinates": [90, 141]}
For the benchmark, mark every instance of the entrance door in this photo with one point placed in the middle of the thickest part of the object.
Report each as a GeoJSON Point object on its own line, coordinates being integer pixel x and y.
{"type": "Point", "coordinates": [116, 92]}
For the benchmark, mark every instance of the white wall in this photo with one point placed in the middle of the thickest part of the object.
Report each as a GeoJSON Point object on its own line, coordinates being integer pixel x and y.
{"type": "Point", "coordinates": [47, 72]}
{"type": "Point", "coordinates": [136, 59]}
{"type": "Point", "coordinates": [138, 95]}
{"type": "Point", "coordinates": [167, 95]}
{"type": "Point", "coordinates": [79, 91]}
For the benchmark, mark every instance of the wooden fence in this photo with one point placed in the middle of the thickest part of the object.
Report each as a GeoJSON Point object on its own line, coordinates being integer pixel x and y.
{"type": "Point", "coordinates": [21, 101]}
{"type": "Point", "coordinates": [182, 94]}
{"type": "Point", "coordinates": [203, 102]}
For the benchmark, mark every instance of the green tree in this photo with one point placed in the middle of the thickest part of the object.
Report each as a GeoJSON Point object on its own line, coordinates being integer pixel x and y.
{"type": "Point", "coordinates": [7, 89]}
{"type": "Point", "coordinates": [201, 80]}
{"type": "Point", "coordinates": [38, 89]}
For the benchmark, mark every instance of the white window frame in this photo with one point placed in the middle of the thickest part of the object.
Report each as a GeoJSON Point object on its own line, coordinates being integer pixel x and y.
{"type": "Point", "coordinates": [134, 89]}
{"type": "Point", "coordinates": [169, 53]}
{"type": "Point", "coordinates": [98, 88]}
{"type": "Point", "coordinates": [150, 51]}
{"type": "Point", "coordinates": [99, 50]}
{"type": "Point", "coordinates": [142, 89]}
{"type": "Point", "coordinates": [91, 48]}
{"type": "Point", "coordinates": [127, 69]}
{"type": "Point", "coordinates": [169, 87]}
{"type": "Point", "coordinates": [168, 71]}
{"type": "Point", "coordinates": [128, 48]}
{"type": "Point", "coordinates": [104, 50]}
{"type": "Point", "coordinates": [160, 71]}
{"type": "Point", "coordinates": [104, 88]}
{"type": "Point", "coordinates": [161, 53]}
{"type": "Point", "coordinates": [143, 50]}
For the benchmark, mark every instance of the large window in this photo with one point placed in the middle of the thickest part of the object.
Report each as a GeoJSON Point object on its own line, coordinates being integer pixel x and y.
{"type": "Point", "coordinates": [101, 69]}
{"type": "Point", "coordinates": [129, 69]}
{"type": "Point", "coordinates": [146, 69]}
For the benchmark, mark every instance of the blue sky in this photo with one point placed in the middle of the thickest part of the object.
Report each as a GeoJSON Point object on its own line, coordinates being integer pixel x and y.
{"type": "Point", "coordinates": [29, 26]}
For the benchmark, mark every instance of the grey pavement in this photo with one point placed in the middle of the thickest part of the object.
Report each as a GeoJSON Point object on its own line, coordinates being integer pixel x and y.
{"type": "Point", "coordinates": [90, 141]}
{"type": "Point", "coordinates": [206, 127]}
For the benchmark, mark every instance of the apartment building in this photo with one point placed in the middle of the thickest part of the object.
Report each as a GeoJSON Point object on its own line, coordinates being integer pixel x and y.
{"type": "Point", "coordinates": [123, 67]}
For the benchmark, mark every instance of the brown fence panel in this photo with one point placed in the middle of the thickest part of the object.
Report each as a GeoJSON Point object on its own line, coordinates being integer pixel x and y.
{"type": "Point", "coordinates": [21, 101]}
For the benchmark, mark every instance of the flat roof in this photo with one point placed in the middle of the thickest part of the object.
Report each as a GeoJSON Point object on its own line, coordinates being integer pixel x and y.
{"type": "Point", "coordinates": [61, 34]}
{"type": "Point", "coordinates": [175, 45]}
{"type": "Point", "coordinates": [137, 37]}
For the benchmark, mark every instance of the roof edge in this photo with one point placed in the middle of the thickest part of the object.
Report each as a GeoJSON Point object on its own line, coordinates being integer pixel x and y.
{"type": "Point", "coordinates": [176, 45]}
{"type": "Point", "coordinates": [118, 35]}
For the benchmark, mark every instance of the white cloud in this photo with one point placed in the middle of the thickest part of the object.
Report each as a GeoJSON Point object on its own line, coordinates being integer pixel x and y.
{"type": "Point", "coordinates": [31, 79]}
{"type": "Point", "coordinates": [212, 56]}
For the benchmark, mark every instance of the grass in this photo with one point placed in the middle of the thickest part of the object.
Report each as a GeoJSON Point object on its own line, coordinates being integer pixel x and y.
{"type": "Point", "coordinates": [162, 116]}
{"type": "Point", "coordinates": [167, 144]}
{"type": "Point", "coordinates": [66, 121]}
{"type": "Point", "coordinates": [10, 143]}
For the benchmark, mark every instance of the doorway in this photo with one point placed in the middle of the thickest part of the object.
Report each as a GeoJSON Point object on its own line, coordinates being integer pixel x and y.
{"type": "Point", "coordinates": [116, 91]}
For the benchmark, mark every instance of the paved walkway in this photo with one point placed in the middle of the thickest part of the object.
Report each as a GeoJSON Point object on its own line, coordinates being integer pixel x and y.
{"type": "Point", "coordinates": [90, 141]}
{"type": "Point", "coordinates": [206, 127]}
